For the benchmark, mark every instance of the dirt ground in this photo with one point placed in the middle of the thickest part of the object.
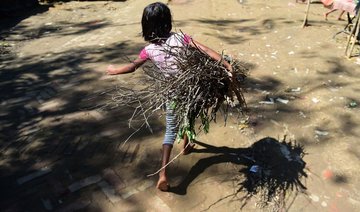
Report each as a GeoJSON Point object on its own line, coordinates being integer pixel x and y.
{"type": "Point", "coordinates": [59, 152]}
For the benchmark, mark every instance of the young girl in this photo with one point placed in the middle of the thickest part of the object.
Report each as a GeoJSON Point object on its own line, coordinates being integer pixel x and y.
{"type": "Point", "coordinates": [156, 29]}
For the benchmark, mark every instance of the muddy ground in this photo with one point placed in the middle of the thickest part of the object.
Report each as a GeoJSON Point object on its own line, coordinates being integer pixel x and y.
{"type": "Point", "coordinates": [59, 152]}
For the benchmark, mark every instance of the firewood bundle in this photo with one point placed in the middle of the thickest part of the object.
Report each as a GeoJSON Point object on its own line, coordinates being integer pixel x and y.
{"type": "Point", "coordinates": [197, 91]}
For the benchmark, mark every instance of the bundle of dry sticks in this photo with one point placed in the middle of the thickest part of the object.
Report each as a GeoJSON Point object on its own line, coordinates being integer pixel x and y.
{"type": "Point", "coordinates": [198, 90]}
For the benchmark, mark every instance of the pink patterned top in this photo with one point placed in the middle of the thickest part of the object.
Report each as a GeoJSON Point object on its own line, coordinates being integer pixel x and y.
{"type": "Point", "coordinates": [159, 53]}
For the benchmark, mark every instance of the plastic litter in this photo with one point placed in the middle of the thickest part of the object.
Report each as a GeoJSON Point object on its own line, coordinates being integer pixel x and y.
{"type": "Point", "coordinates": [327, 174]}
{"type": "Point", "coordinates": [294, 90]}
{"type": "Point", "coordinates": [255, 168]}
{"type": "Point", "coordinates": [321, 133]}
{"type": "Point", "coordinates": [271, 102]}
{"type": "Point", "coordinates": [284, 101]}
{"type": "Point", "coordinates": [315, 100]}
{"type": "Point", "coordinates": [352, 104]}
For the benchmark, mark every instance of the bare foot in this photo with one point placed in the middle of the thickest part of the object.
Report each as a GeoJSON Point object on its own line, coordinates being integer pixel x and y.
{"type": "Point", "coordinates": [325, 16]}
{"type": "Point", "coordinates": [162, 184]}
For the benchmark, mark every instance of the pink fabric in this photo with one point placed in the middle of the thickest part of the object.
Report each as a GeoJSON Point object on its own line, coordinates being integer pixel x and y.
{"type": "Point", "coordinates": [346, 5]}
{"type": "Point", "coordinates": [187, 39]}
{"type": "Point", "coordinates": [158, 53]}
{"type": "Point", "coordinates": [327, 2]}
{"type": "Point", "coordinates": [143, 55]}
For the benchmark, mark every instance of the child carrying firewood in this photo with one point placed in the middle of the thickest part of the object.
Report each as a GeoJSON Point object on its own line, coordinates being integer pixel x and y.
{"type": "Point", "coordinates": [156, 29]}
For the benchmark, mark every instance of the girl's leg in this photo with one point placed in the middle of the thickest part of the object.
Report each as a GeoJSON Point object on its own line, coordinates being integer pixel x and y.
{"type": "Point", "coordinates": [331, 11]}
{"type": "Point", "coordinates": [162, 183]}
{"type": "Point", "coordinates": [340, 16]}
{"type": "Point", "coordinates": [170, 136]}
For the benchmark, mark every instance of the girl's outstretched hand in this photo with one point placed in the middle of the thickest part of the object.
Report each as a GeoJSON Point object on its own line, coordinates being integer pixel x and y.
{"type": "Point", "coordinates": [128, 68]}
{"type": "Point", "coordinates": [111, 70]}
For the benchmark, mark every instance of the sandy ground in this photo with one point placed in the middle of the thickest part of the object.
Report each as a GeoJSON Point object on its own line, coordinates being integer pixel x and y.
{"type": "Point", "coordinates": [59, 153]}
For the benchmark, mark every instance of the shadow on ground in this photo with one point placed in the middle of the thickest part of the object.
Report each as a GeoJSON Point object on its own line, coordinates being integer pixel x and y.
{"type": "Point", "coordinates": [269, 169]}
{"type": "Point", "coordinates": [12, 18]}
{"type": "Point", "coordinates": [50, 125]}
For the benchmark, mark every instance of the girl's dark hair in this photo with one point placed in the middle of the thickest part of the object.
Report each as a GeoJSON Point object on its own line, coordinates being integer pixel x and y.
{"type": "Point", "coordinates": [156, 22]}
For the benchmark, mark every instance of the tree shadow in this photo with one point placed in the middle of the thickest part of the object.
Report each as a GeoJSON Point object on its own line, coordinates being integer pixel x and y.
{"type": "Point", "coordinates": [272, 169]}
{"type": "Point", "coordinates": [9, 19]}
{"type": "Point", "coordinates": [46, 123]}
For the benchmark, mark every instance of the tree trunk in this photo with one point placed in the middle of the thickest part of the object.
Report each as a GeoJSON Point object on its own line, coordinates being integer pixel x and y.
{"type": "Point", "coordinates": [305, 23]}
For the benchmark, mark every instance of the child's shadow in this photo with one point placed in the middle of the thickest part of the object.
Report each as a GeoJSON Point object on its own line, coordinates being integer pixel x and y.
{"type": "Point", "coordinates": [268, 162]}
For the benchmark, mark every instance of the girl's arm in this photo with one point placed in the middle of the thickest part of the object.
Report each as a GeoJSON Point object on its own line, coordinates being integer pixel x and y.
{"type": "Point", "coordinates": [128, 68]}
{"type": "Point", "coordinates": [213, 54]}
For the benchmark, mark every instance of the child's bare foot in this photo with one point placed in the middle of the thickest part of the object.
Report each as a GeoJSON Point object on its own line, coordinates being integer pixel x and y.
{"type": "Point", "coordinates": [162, 184]}
{"type": "Point", "coordinates": [325, 16]}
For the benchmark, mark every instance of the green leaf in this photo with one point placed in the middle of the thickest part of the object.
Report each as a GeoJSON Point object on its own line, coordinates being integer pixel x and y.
{"type": "Point", "coordinates": [173, 105]}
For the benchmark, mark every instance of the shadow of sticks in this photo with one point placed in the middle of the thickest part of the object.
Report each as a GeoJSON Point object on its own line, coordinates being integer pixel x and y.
{"type": "Point", "coordinates": [269, 169]}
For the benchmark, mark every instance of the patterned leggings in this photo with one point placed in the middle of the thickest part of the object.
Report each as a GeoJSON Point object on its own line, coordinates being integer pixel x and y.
{"type": "Point", "coordinates": [171, 125]}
